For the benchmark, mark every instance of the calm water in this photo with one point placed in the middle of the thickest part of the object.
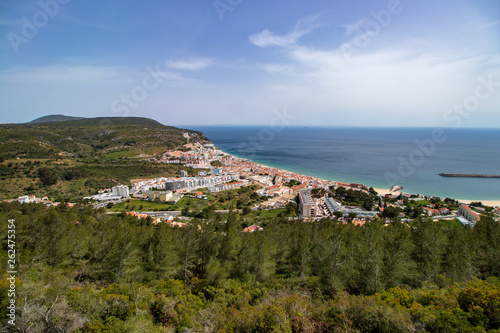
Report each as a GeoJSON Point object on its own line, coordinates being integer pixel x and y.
{"type": "Point", "coordinates": [378, 157]}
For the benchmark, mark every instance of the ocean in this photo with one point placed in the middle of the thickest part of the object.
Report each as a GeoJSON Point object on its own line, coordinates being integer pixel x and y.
{"type": "Point", "coordinates": [378, 157]}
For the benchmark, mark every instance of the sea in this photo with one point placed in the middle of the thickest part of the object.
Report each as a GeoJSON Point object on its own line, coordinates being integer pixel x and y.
{"type": "Point", "coordinates": [377, 157]}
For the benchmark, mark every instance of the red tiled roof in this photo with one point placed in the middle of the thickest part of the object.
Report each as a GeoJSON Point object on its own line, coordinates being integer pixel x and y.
{"type": "Point", "coordinates": [252, 228]}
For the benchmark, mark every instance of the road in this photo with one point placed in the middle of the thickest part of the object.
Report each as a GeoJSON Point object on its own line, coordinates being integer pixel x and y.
{"type": "Point", "coordinates": [173, 213]}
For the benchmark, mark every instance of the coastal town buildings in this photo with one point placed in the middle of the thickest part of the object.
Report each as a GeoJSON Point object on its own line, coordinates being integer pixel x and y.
{"type": "Point", "coordinates": [280, 187]}
{"type": "Point", "coordinates": [116, 193]}
{"type": "Point", "coordinates": [468, 213]}
{"type": "Point", "coordinates": [333, 206]}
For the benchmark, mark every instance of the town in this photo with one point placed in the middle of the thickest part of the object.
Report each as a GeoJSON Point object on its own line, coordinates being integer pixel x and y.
{"type": "Point", "coordinates": [211, 171]}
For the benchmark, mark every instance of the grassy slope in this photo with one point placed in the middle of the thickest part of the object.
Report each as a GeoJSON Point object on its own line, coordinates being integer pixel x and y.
{"type": "Point", "coordinates": [106, 152]}
{"type": "Point", "coordinates": [91, 137]}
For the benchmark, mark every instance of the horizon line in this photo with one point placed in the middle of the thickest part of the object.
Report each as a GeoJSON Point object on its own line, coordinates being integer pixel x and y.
{"type": "Point", "coordinates": [186, 126]}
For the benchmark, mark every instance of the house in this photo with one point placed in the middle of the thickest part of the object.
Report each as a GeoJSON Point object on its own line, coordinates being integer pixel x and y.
{"type": "Point", "coordinates": [24, 199]}
{"type": "Point", "coordinates": [434, 212]}
{"type": "Point", "coordinates": [28, 199]}
{"type": "Point", "coordinates": [274, 190]}
{"type": "Point", "coordinates": [200, 195]}
{"type": "Point", "coordinates": [358, 222]}
{"type": "Point", "coordinates": [431, 211]}
{"type": "Point", "coordinates": [156, 220]}
{"type": "Point", "coordinates": [444, 211]}
{"type": "Point", "coordinates": [137, 215]}
{"type": "Point", "coordinates": [253, 228]}
{"type": "Point", "coordinates": [177, 224]}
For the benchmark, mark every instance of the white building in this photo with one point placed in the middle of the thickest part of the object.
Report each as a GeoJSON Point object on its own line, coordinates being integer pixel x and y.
{"type": "Point", "coordinates": [120, 190]}
{"type": "Point", "coordinates": [27, 199]}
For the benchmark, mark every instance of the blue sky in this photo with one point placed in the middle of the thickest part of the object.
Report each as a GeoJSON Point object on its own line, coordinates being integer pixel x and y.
{"type": "Point", "coordinates": [329, 63]}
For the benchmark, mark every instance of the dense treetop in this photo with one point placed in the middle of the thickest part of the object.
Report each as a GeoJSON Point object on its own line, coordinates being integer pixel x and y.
{"type": "Point", "coordinates": [115, 273]}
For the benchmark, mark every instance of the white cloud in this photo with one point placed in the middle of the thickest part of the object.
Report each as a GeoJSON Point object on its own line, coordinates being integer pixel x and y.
{"type": "Point", "coordinates": [190, 65]}
{"type": "Point", "coordinates": [386, 84]}
{"type": "Point", "coordinates": [303, 27]}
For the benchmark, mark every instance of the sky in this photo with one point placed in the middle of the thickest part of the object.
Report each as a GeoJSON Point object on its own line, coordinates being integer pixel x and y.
{"type": "Point", "coordinates": [221, 62]}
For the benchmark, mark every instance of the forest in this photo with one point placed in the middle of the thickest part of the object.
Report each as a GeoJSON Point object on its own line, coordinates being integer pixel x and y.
{"type": "Point", "coordinates": [82, 270]}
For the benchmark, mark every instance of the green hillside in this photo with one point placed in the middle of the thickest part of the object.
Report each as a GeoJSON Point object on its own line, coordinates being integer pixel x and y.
{"type": "Point", "coordinates": [54, 117]}
{"type": "Point", "coordinates": [90, 137]}
{"type": "Point", "coordinates": [67, 160]}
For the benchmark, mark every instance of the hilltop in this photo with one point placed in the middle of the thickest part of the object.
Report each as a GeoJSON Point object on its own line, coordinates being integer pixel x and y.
{"type": "Point", "coordinates": [53, 135]}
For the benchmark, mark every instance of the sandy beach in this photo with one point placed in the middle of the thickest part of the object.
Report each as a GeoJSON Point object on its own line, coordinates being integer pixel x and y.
{"type": "Point", "coordinates": [384, 191]}
{"type": "Point", "coordinates": [492, 203]}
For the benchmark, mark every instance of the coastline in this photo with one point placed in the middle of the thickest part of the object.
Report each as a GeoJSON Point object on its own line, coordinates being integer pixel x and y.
{"type": "Point", "coordinates": [319, 152]}
{"type": "Point", "coordinates": [380, 191]}
{"type": "Point", "coordinates": [492, 203]}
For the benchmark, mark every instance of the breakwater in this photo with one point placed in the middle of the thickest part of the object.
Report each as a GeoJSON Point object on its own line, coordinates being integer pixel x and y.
{"type": "Point", "coordinates": [467, 175]}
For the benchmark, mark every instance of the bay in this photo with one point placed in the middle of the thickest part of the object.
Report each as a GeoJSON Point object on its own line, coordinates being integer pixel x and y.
{"type": "Point", "coordinates": [378, 157]}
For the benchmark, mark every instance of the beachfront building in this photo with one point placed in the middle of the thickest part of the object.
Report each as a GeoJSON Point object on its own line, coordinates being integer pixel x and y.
{"type": "Point", "coordinates": [468, 213]}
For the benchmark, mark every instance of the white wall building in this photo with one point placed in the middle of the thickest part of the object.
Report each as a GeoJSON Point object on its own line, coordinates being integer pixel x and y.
{"type": "Point", "coordinates": [120, 190]}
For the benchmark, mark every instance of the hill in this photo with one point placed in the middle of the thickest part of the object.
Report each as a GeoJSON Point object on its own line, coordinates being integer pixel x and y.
{"type": "Point", "coordinates": [54, 117]}
{"type": "Point", "coordinates": [50, 136]}
{"type": "Point", "coordinates": [68, 160]}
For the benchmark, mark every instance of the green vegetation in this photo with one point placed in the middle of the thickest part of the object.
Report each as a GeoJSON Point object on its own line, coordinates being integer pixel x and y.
{"type": "Point", "coordinates": [53, 118]}
{"type": "Point", "coordinates": [236, 199]}
{"type": "Point", "coordinates": [71, 179]}
{"type": "Point", "coordinates": [47, 176]}
{"type": "Point", "coordinates": [82, 270]}
{"type": "Point", "coordinates": [272, 213]}
{"type": "Point", "coordinates": [244, 196]}
{"type": "Point", "coordinates": [140, 205]}
{"type": "Point", "coordinates": [91, 137]}
{"type": "Point", "coordinates": [70, 159]}
{"type": "Point", "coordinates": [292, 183]}
{"type": "Point", "coordinates": [353, 197]}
